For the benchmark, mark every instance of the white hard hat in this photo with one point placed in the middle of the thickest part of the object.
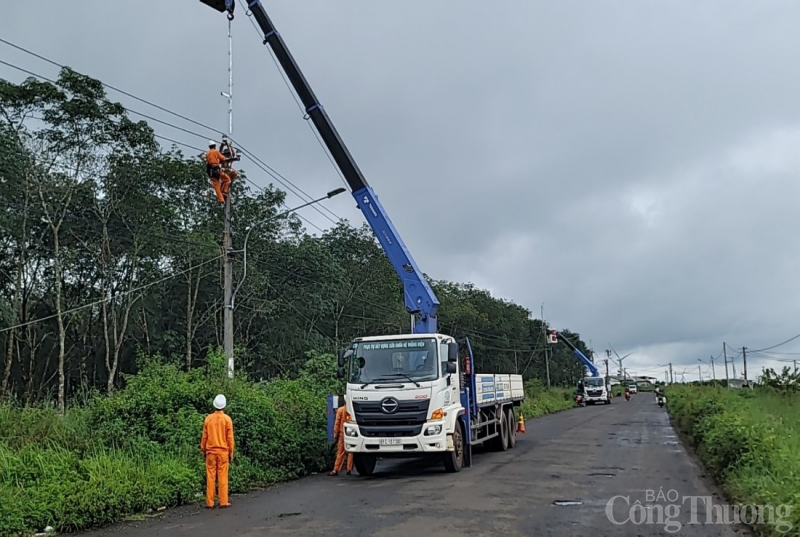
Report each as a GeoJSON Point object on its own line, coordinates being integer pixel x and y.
{"type": "Point", "coordinates": [211, 143]}
{"type": "Point", "coordinates": [220, 402]}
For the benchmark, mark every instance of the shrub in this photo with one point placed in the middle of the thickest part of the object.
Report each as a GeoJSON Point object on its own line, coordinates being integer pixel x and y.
{"type": "Point", "coordinates": [139, 448]}
{"type": "Point", "coordinates": [747, 440]}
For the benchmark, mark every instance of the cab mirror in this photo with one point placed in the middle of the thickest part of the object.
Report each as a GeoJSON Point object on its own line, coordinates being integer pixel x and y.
{"type": "Point", "coordinates": [340, 373]}
{"type": "Point", "coordinates": [452, 352]}
{"type": "Point", "coordinates": [344, 354]}
{"type": "Point", "coordinates": [450, 368]}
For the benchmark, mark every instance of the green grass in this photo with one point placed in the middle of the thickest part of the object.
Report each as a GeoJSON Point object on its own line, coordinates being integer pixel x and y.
{"type": "Point", "coordinates": [540, 400]}
{"type": "Point", "coordinates": [139, 449]}
{"type": "Point", "coordinates": [121, 456]}
{"type": "Point", "coordinates": [749, 443]}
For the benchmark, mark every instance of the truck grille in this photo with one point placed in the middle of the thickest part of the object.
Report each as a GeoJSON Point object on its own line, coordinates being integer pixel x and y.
{"type": "Point", "coordinates": [594, 393]}
{"type": "Point", "coordinates": [407, 420]}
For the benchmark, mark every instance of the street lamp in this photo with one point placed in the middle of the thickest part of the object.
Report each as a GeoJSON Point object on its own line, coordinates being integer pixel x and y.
{"type": "Point", "coordinates": [287, 212]}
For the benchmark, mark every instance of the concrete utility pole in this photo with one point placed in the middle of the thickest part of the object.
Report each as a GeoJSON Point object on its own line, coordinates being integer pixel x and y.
{"type": "Point", "coordinates": [795, 366]}
{"type": "Point", "coordinates": [713, 372]}
{"type": "Point", "coordinates": [671, 378]}
{"type": "Point", "coordinates": [744, 358]}
{"type": "Point", "coordinates": [227, 320]}
{"type": "Point", "coordinates": [725, 355]}
{"type": "Point", "coordinates": [699, 373]}
{"type": "Point", "coordinates": [546, 356]}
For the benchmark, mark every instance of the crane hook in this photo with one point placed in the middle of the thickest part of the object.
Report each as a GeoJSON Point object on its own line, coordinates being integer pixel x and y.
{"type": "Point", "coordinates": [230, 15]}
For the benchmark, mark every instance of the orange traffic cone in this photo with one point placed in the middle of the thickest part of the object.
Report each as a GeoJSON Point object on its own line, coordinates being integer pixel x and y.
{"type": "Point", "coordinates": [521, 424]}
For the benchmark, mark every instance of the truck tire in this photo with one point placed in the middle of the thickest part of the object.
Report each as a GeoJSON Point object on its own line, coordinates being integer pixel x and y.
{"type": "Point", "coordinates": [454, 460]}
{"type": "Point", "coordinates": [502, 442]}
{"type": "Point", "coordinates": [512, 429]}
{"type": "Point", "coordinates": [365, 464]}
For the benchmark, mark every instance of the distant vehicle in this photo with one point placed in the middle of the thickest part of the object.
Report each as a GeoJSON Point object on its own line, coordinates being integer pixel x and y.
{"type": "Point", "coordinates": [595, 390]}
{"type": "Point", "coordinates": [633, 389]}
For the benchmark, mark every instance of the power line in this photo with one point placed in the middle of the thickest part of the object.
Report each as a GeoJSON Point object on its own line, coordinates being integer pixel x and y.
{"type": "Point", "coordinates": [159, 107]}
{"type": "Point", "coordinates": [776, 346]}
{"type": "Point", "coordinates": [31, 73]}
{"type": "Point", "coordinates": [118, 295]}
{"type": "Point", "coordinates": [289, 185]}
{"type": "Point", "coordinates": [299, 104]}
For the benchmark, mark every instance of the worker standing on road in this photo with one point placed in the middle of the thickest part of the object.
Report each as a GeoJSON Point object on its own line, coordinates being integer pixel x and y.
{"type": "Point", "coordinates": [217, 446]}
{"type": "Point", "coordinates": [338, 435]}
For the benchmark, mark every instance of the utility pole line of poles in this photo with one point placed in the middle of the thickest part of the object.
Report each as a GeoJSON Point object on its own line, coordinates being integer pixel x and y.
{"type": "Point", "coordinates": [725, 355]}
{"type": "Point", "coordinates": [227, 315]}
{"type": "Point", "coordinates": [699, 373]}
{"type": "Point", "coordinates": [671, 377]}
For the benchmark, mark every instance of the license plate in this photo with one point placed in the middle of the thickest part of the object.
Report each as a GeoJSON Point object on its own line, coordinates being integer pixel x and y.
{"type": "Point", "coordinates": [391, 441]}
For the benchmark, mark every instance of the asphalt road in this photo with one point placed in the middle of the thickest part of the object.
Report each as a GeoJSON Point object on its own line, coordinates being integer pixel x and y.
{"type": "Point", "coordinates": [590, 455]}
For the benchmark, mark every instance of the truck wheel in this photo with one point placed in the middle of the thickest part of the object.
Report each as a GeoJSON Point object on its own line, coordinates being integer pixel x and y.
{"type": "Point", "coordinates": [454, 460]}
{"type": "Point", "coordinates": [512, 428]}
{"type": "Point", "coordinates": [502, 443]}
{"type": "Point", "coordinates": [365, 464]}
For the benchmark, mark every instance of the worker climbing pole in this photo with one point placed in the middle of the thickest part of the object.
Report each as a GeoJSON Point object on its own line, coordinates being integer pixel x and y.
{"type": "Point", "coordinates": [219, 171]}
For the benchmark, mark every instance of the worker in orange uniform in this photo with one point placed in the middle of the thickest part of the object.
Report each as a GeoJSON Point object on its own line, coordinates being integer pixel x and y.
{"type": "Point", "coordinates": [217, 446]}
{"type": "Point", "coordinates": [338, 434]}
{"type": "Point", "coordinates": [219, 176]}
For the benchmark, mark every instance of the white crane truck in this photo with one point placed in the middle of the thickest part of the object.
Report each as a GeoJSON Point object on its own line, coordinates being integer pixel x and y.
{"type": "Point", "coordinates": [410, 395]}
{"type": "Point", "coordinates": [417, 395]}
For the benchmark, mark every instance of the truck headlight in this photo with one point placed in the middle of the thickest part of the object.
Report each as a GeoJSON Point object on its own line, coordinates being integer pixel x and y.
{"type": "Point", "coordinates": [433, 429]}
{"type": "Point", "coordinates": [351, 432]}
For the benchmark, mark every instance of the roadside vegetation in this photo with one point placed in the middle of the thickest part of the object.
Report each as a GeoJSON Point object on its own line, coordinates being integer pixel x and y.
{"type": "Point", "coordinates": [749, 440]}
{"type": "Point", "coordinates": [137, 451]}
{"type": "Point", "coordinates": [540, 400]}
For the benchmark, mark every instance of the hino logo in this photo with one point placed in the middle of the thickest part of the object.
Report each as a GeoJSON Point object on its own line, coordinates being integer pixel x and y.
{"type": "Point", "coordinates": [389, 405]}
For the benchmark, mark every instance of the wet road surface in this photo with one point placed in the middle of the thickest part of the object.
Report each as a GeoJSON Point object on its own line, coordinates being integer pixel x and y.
{"type": "Point", "coordinates": [584, 458]}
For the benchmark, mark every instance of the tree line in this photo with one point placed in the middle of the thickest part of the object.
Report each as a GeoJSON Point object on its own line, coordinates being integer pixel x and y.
{"type": "Point", "coordinates": [111, 248]}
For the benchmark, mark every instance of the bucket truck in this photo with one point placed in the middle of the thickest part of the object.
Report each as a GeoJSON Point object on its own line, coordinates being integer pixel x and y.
{"type": "Point", "coordinates": [596, 388]}
{"type": "Point", "coordinates": [415, 394]}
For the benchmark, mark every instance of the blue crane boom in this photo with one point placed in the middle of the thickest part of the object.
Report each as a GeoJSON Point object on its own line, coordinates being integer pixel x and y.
{"type": "Point", "coordinates": [588, 363]}
{"type": "Point", "coordinates": [419, 297]}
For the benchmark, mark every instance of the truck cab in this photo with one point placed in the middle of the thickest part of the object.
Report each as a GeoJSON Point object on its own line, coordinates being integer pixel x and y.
{"type": "Point", "coordinates": [403, 396]}
{"type": "Point", "coordinates": [596, 390]}
{"type": "Point", "coordinates": [417, 395]}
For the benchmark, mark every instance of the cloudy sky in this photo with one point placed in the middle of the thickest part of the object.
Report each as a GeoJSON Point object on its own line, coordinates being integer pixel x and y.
{"type": "Point", "coordinates": [631, 165]}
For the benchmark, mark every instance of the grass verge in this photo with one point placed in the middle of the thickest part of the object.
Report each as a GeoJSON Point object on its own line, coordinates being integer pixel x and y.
{"type": "Point", "coordinates": [749, 443]}
{"type": "Point", "coordinates": [138, 450]}
{"type": "Point", "coordinates": [540, 400]}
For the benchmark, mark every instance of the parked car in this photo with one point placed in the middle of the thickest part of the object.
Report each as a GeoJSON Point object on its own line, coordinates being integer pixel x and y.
{"type": "Point", "coordinates": [633, 389]}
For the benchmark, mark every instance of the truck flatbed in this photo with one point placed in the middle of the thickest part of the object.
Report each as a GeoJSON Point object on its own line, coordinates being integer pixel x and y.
{"type": "Point", "coordinates": [493, 389]}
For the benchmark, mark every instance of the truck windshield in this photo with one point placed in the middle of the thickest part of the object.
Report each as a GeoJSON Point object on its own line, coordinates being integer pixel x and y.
{"type": "Point", "coordinates": [594, 382]}
{"type": "Point", "coordinates": [400, 360]}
